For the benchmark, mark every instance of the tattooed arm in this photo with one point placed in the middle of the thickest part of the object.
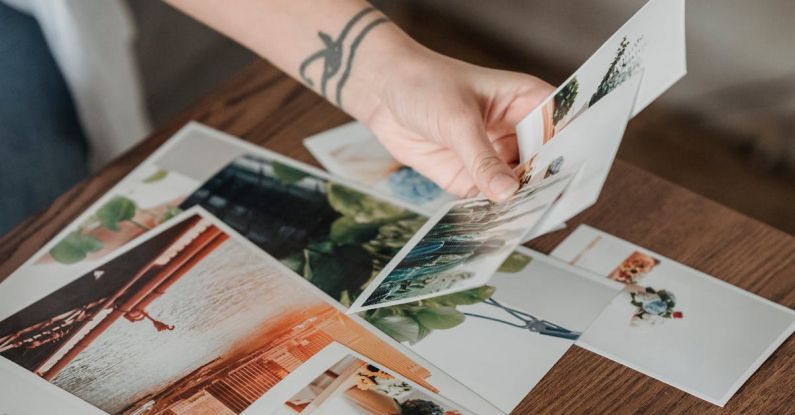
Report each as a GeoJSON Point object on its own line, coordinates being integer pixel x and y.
{"type": "Point", "coordinates": [452, 121]}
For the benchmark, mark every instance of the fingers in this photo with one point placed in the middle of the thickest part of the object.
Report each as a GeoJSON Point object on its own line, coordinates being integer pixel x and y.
{"type": "Point", "coordinates": [490, 173]}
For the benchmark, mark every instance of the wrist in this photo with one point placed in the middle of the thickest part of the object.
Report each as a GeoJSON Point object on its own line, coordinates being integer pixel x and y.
{"type": "Point", "coordinates": [385, 61]}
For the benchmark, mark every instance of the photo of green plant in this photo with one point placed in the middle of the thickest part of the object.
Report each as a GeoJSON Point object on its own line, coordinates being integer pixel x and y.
{"type": "Point", "coordinates": [625, 64]}
{"type": "Point", "coordinates": [117, 221]}
{"type": "Point", "coordinates": [462, 246]}
{"type": "Point", "coordinates": [334, 236]}
{"type": "Point", "coordinates": [564, 100]}
{"type": "Point", "coordinates": [413, 322]}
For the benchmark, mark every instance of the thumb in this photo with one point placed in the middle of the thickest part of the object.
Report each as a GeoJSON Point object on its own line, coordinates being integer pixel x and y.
{"type": "Point", "coordinates": [491, 175]}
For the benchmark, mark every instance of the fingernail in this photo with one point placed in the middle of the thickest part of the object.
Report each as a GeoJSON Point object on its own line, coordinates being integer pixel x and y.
{"type": "Point", "coordinates": [503, 185]}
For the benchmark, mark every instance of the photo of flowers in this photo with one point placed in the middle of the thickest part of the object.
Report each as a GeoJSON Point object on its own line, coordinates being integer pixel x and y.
{"type": "Point", "coordinates": [353, 152]}
{"type": "Point", "coordinates": [190, 319]}
{"type": "Point", "coordinates": [672, 322]}
{"type": "Point", "coordinates": [651, 42]}
{"type": "Point", "coordinates": [462, 246]}
{"type": "Point", "coordinates": [358, 387]}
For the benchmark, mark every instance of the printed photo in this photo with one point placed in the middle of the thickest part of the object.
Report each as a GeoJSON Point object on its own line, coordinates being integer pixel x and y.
{"type": "Point", "coordinates": [651, 42]}
{"type": "Point", "coordinates": [359, 387]}
{"type": "Point", "coordinates": [461, 247]}
{"type": "Point", "coordinates": [149, 196]}
{"type": "Point", "coordinates": [501, 339]}
{"type": "Point", "coordinates": [591, 142]}
{"type": "Point", "coordinates": [353, 152]}
{"type": "Point", "coordinates": [334, 236]}
{"type": "Point", "coordinates": [168, 182]}
{"type": "Point", "coordinates": [671, 322]}
{"type": "Point", "coordinates": [192, 319]}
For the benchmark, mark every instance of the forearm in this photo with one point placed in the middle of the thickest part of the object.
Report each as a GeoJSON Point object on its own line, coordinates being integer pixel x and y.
{"type": "Point", "coordinates": [342, 49]}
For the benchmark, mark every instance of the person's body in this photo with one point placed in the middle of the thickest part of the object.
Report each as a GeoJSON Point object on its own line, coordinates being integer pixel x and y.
{"type": "Point", "coordinates": [449, 120]}
{"type": "Point", "coordinates": [41, 140]}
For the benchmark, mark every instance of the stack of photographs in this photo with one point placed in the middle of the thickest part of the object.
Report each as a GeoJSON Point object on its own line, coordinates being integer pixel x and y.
{"type": "Point", "coordinates": [237, 280]}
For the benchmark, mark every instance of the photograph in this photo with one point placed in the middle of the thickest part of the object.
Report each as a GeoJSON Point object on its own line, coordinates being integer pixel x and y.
{"type": "Point", "coordinates": [369, 229]}
{"type": "Point", "coordinates": [674, 323]}
{"type": "Point", "coordinates": [462, 246]}
{"type": "Point", "coordinates": [354, 386]}
{"type": "Point", "coordinates": [590, 143]}
{"type": "Point", "coordinates": [336, 237]}
{"type": "Point", "coordinates": [353, 152]}
{"type": "Point", "coordinates": [192, 318]}
{"type": "Point", "coordinates": [500, 340]}
{"type": "Point", "coordinates": [148, 196]}
{"type": "Point", "coordinates": [652, 42]}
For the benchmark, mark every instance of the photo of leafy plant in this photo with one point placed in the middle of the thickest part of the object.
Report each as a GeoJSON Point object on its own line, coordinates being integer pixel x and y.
{"type": "Point", "coordinates": [463, 246]}
{"type": "Point", "coordinates": [334, 236]}
{"type": "Point", "coordinates": [117, 221]}
{"type": "Point", "coordinates": [624, 65]}
{"type": "Point", "coordinates": [412, 322]}
{"type": "Point", "coordinates": [564, 100]}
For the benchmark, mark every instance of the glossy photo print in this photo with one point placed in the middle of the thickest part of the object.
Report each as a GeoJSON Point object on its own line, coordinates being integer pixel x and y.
{"type": "Point", "coordinates": [462, 246]}
{"type": "Point", "coordinates": [351, 385]}
{"type": "Point", "coordinates": [652, 42]}
{"type": "Point", "coordinates": [353, 152]}
{"type": "Point", "coordinates": [311, 220]}
{"type": "Point", "coordinates": [501, 339]}
{"type": "Point", "coordinates": [671, 322]}
{"type": "Point", "coordinates": [336, 237]}
{"type": "Point", "coordinates": [192, 318]}
{"type": "Point", "coordinates": [592, 142]}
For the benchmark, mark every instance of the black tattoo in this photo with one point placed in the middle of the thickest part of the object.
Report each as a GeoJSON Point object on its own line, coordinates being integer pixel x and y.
{"type": "Point", "coordinates": [332, 52]}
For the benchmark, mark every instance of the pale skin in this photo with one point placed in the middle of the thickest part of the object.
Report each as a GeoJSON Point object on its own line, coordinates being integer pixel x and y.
{"type": "Point", "coordinates": [450, 120]}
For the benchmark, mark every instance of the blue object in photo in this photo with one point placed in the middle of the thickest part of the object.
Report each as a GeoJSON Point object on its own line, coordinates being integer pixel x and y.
{"type": "Point", "coordinates": [407, 184]}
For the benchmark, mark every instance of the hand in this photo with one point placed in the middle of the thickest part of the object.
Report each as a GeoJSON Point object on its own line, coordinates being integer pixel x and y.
{"type": "Point", "coordinates": [454, 122]}
{"type": "Point", "coordinates": [451, 121]}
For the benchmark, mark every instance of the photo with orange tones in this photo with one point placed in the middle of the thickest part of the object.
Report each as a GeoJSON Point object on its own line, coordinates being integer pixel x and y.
{"type": "Point", "coordinates": [353, 386]}
{"type": "Point", "coordinates": [192, 319]}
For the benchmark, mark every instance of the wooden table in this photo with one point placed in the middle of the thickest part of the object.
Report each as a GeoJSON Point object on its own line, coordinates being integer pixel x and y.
{"type": "Point", "coordinates": [264, 106]}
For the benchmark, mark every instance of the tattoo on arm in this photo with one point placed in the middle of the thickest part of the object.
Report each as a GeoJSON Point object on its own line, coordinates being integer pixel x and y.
{"type": "Point", "coordinates": [333, 51]}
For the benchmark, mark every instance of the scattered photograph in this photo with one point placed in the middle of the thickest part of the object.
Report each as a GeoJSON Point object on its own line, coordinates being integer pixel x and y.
{"type": "Point", "coordinates": [360, 387]}
{"type": "Point", "coordinates": [674, 323]}
{"type": "Point", "coordinates": [462, 246]}
{"type": "Point", "coordinates": [192, 319]}
{"type": "Point", "coordinates": [353, 152]}
{"type": "Point", "coordinates": [149, 196]}
{"type": "Point", "coordinates": [501, 339]}
{"type": "Point", "coordinates": [336, 237]}
{"type": "Point", "coordinates": [652, 42]}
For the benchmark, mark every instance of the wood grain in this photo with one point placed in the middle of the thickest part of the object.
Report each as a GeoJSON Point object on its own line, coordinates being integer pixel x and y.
{"type": "Point", "coordinates": [266, 107]}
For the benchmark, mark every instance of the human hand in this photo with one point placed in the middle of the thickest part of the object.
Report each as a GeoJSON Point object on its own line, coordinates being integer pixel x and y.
{"type": "Point", "coordinates": [452, 121]}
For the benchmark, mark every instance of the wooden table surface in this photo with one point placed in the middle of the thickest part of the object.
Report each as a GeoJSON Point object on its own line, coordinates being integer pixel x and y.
{"type": "Point", "coordinates": [264, 106]}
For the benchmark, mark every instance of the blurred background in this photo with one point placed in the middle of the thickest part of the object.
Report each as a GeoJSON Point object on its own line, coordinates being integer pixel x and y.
{"type": "Point", "coordinates": [727, 131]}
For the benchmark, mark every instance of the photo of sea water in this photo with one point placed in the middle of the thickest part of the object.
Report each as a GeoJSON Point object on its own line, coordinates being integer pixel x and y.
{"type": "Point", "coordinates": [224, 306]}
